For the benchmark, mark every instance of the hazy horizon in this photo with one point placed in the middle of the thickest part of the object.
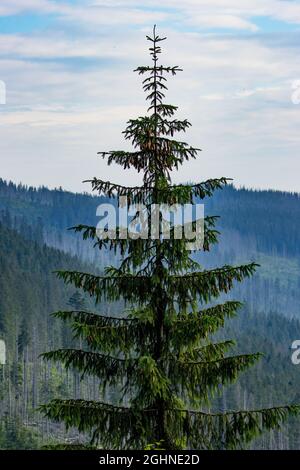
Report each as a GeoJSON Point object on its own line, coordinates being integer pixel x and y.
{"type": "Point", "coordinates": [85, 191]}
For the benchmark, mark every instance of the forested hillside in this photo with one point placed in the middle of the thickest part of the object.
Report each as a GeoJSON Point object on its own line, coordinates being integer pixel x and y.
{"type": "Point", "coordinates": [255, 225]}
{"type": "Point", "coordinates": [269, 221]}
{"type": "Point", "coordinates": [261, 226]}
{"type": "Point", "coordinates": [28, 287]}
{"type": "Point", "coordinates": [44, 215]}
{"type": "Point", "coordinates": [252, 215]}
{"type": "Point", "coordinates": [29, 292]}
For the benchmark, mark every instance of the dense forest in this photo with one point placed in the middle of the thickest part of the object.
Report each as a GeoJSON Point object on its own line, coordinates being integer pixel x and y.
{"type": "Point", "coordinates": [251, 214]}
{"type": "Point", "coordinates": [247, 218]}
{"type": "Point", "coordinates": [34, 242]}
{"type": "Point", "coordinates": [29, 293]}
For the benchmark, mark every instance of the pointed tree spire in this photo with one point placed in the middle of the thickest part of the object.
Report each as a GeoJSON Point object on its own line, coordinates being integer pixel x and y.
{"type": "Point", "coordinates": [159, 355]}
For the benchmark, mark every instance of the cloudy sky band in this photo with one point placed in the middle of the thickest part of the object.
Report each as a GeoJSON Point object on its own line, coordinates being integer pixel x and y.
{"type": "Point", "coordinates": [70, 87]}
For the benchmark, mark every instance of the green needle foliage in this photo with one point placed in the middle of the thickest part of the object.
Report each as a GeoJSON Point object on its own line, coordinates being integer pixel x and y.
{"type": "Point", "coordinates": [159, 355]}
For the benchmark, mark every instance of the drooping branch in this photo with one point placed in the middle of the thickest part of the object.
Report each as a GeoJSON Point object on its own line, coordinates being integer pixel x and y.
{"type": "Point", "coordinates": [178, 193]}
{"type": "Point", "coordinates": [205, 284]}
{"type": "Point", "coordinates": [199, 380]}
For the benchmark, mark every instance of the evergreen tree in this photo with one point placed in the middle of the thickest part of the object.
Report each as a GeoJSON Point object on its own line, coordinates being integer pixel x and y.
{"type": "Point", "coordinates": [76, 301]}
{"type": "Point", "coordinates": [160, 354]}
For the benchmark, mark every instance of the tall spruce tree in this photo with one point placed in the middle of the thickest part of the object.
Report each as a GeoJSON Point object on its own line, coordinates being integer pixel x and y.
{"type": "Point", "coordinates": [160, 353]}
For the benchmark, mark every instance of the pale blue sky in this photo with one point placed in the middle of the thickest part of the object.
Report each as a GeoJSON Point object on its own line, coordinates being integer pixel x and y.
{"type": "Point", "coordinates": [68, 66]}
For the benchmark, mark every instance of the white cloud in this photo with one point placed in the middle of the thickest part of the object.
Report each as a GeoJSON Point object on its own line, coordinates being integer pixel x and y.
{"type": "Point", "coordinates": [245, 93]}
{"type": "Point", "coordinates": [231, 14]}
{"type": "Point", "coordinates": [234, 14]}
{"type": "Point", "coordinates": [235, 89]}
{"type": "Point", "coordinates": [88, 13]}
{"type": "Point", "coordinates": [14, 7]}
{"type": "Point", "coordinates": [222, 21]}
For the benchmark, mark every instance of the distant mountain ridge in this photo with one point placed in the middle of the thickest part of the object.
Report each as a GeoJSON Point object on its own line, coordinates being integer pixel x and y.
{"type": "Point", "coordinates": [261, 226]}
{"type": "Point", "coordinates": [272, 218]}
